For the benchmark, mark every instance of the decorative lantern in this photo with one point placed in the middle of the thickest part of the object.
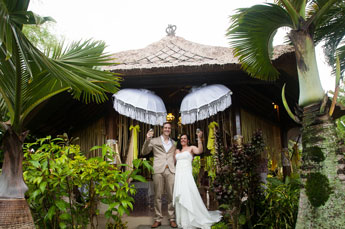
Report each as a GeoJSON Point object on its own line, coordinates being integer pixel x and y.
{"type": "Point", "coordinates": [180, 121]}
{"type": "Point", "coordinates": [170, 117]}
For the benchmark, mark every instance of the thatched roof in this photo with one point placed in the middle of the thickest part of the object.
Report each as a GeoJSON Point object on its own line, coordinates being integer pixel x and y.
{"type": "Point", "coordinates": [173, 51]}
{"type": "Point", "coordinates": [170, 67]}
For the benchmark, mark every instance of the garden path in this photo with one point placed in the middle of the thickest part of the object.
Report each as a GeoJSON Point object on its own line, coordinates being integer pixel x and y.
{"type": "Point", "coordinates": [142, 215]}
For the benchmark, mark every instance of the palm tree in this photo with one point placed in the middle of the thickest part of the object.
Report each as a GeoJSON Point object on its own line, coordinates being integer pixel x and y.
{"type": "Point", "coordinates": [251, 33]}
{"type": "Point", "coordinates": [29, 77]}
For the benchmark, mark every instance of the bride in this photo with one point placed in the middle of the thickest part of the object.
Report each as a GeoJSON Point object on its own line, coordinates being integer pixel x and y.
{"type": "Point", "coordinates": [190, 209]}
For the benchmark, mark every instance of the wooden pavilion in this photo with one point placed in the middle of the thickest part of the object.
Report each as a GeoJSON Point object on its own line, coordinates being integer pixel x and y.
{"type": "Point", "coordinates": [170, 68]}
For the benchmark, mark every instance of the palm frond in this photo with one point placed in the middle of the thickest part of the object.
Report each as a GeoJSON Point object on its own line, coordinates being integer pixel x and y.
{"type": "Point", "coordinates": [316, 11]}
{"type": "Point", "coordinates": [3, 109]}
{"type": "Point", "coordinates": [251, 35]}
{"type": "Point", "coordinates": [297, 4]}
{"type": "Point", "coordinates": [341, 55]}
{"type": "Point", "coordinates": [13, 14]}
{"type": "Point", "coordinates": [17, 5]}
{"type": "Point", "coordinates": [74, 70]}
{"type": "Point", "coordinates": [6, 38]}
{"type": "Point", "coordinates": [7, 80]}
{"type": "Point", "coordinates": [28, 77]}
{"type": "Point", "coordinates": [317, 4]}
{"type": "Point", "coordinates": [29, 18]}
{"type": "Point", "coordinates": [331, 30]}
{"type": "Point", "coordinates": [294, 9]}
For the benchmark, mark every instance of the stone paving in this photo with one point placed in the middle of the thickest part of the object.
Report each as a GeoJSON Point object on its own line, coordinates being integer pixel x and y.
{"type": "Point", "coordinates": [144, 222]}
{"type": "Point", "coordinates": [135, 222]}
{"type": "Point", "coordinates": [142, 215]}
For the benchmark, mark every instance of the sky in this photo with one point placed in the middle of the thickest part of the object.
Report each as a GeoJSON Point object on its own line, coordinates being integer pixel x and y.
{"type": "Point", "coordinates": [134, 24]}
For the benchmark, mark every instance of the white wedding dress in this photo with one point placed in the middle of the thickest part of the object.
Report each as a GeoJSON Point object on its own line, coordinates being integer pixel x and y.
{"type": "Point", "coordinates": [190, 210]}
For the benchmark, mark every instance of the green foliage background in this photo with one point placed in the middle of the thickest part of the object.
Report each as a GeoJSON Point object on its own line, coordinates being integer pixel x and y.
{"type": "Point", "coordinates": [66, 187]}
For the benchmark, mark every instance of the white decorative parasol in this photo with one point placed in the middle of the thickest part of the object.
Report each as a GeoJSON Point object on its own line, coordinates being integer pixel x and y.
{"type": "Point", "coordinates": [140, 104]}
{"type": "Point", "coordinates": [203, 102]}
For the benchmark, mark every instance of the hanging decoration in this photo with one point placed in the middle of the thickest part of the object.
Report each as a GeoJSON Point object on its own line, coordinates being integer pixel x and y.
{"type": "Point", "coordinates": [211, 137]}
{"type": "Point", "coordinates": [132, 152]}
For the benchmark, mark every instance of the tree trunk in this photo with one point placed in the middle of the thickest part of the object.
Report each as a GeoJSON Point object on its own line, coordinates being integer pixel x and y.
{"type": "Point", "coordinates": [322, 197]}
{"type": "Point", "coordinates": [12, 185]}
{"type": "Point", "coordinates": [310, 87]}
{"type": "Point", "coordinates": [286, 163]}
{"type": "Point", "coordinates": [14, 210]}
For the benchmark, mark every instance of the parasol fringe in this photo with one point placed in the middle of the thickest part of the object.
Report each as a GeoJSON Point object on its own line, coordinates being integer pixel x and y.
{"type": "Point", "coordinates": [139, 114]}
{"type": "Point", "coordinates": [191, 116]}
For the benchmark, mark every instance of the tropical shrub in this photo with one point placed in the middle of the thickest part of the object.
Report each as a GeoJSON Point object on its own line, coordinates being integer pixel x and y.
{"type": "Point", "coordinates": [340, 122]}
{"type": "Point", "coordinates": [237, 184]}
{"type": "Point", "coordinates": [280, 203]}
{"type": "Point", "coordinates": [220, 225]}
{"type": "Point", "coordinates": [65, 187]}
{"type": "Point", "coordinates": [196, 164]}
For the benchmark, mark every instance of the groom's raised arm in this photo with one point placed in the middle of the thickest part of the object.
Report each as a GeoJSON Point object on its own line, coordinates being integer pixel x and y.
{"type": "Point", "coordinates": [147, 147]}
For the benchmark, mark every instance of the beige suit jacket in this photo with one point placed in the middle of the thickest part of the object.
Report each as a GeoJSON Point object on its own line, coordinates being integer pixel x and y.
{"type": "Point", "coordinates": [160, 157]}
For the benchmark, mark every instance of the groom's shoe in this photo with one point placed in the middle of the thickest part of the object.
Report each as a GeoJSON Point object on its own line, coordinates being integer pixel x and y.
{"type": "Point", "coordinates": [156, 224]}
{"type": "Point", "coordinates": [173, 224]}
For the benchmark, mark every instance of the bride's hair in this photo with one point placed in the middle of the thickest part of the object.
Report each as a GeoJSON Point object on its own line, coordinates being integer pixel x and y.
{"type": "Point", "coordinates": [178, 145]}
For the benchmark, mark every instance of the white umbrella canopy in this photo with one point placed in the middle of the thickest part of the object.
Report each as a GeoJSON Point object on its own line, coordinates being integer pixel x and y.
{"type": "Point", "coordinates": [140, 104]}
{"type": "Point", "coordinates": [203, 102]}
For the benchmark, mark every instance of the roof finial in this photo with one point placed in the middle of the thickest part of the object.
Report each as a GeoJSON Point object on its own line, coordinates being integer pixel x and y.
{"type": "Point", "coordinates": [171, 30]}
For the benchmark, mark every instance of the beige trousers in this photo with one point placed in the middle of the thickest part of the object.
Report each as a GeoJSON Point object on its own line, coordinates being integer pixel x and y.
{"type": "Point", "coordinates": [163, 181]}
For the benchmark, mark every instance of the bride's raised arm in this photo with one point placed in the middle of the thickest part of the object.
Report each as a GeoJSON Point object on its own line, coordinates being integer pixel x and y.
{"type": "Point", "coordinates": [200, 148]}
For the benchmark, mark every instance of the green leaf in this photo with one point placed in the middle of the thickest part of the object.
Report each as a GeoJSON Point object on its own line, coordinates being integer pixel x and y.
{"type": "Point", "coordinates": [224, 206]}
{"type": "Point", "coordinates": [242, 219]}
{"type": "Point", "coordinates": [130, 205]}
{"type": "Point", "coordinates": [139, 178]}
{"type": "Point", "coordinates": [330, 30]}
{"type": "Point", "coordinates": [36, 164]}
{"type": "Point", "coordinates": [36, 193]}
{"type": "Point", "coordinates": [62, 225]}
{"type": "Point", "coordinates": [113, 205]}
{"type": "Point", "coordinates": [294, 14]}
{"type": "Point", "coordinates": [38, 180]}
{"type": "Point", "coordinates": [112, 186]}
{"type": "Point", "coordinates": [337, 72]}
{"type": "Point", "coordinates": [95, 148]}
{"type": "Point", "coordinates": [324, 9]}
{"type": "Point", "coordinates": [108, 214]}
{"type": "Point", "coordinates": [62, 205]}
{"type": "Point", "coordinates": [147, 165]}
{"type": "Point", "coordinates": [43, 186]}
{"type": "Point", "coordinates": [124, 203]}
{"type": "Point", "coordinates": [133, 191]}
{"type": "Point", "coordinates": [136, 163]}
{"type": "Point", "coordinates": [121, 210]}
{"type": "Point", "coordinates": [65, 216]}
{"type": "Point", "coordinates": [287, 108]}
{"type": "Point", "coordinates": [51, 212]}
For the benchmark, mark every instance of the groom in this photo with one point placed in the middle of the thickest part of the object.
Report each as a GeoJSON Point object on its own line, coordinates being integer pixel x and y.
{"type": "Point", "coordinates": [163, 148]}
